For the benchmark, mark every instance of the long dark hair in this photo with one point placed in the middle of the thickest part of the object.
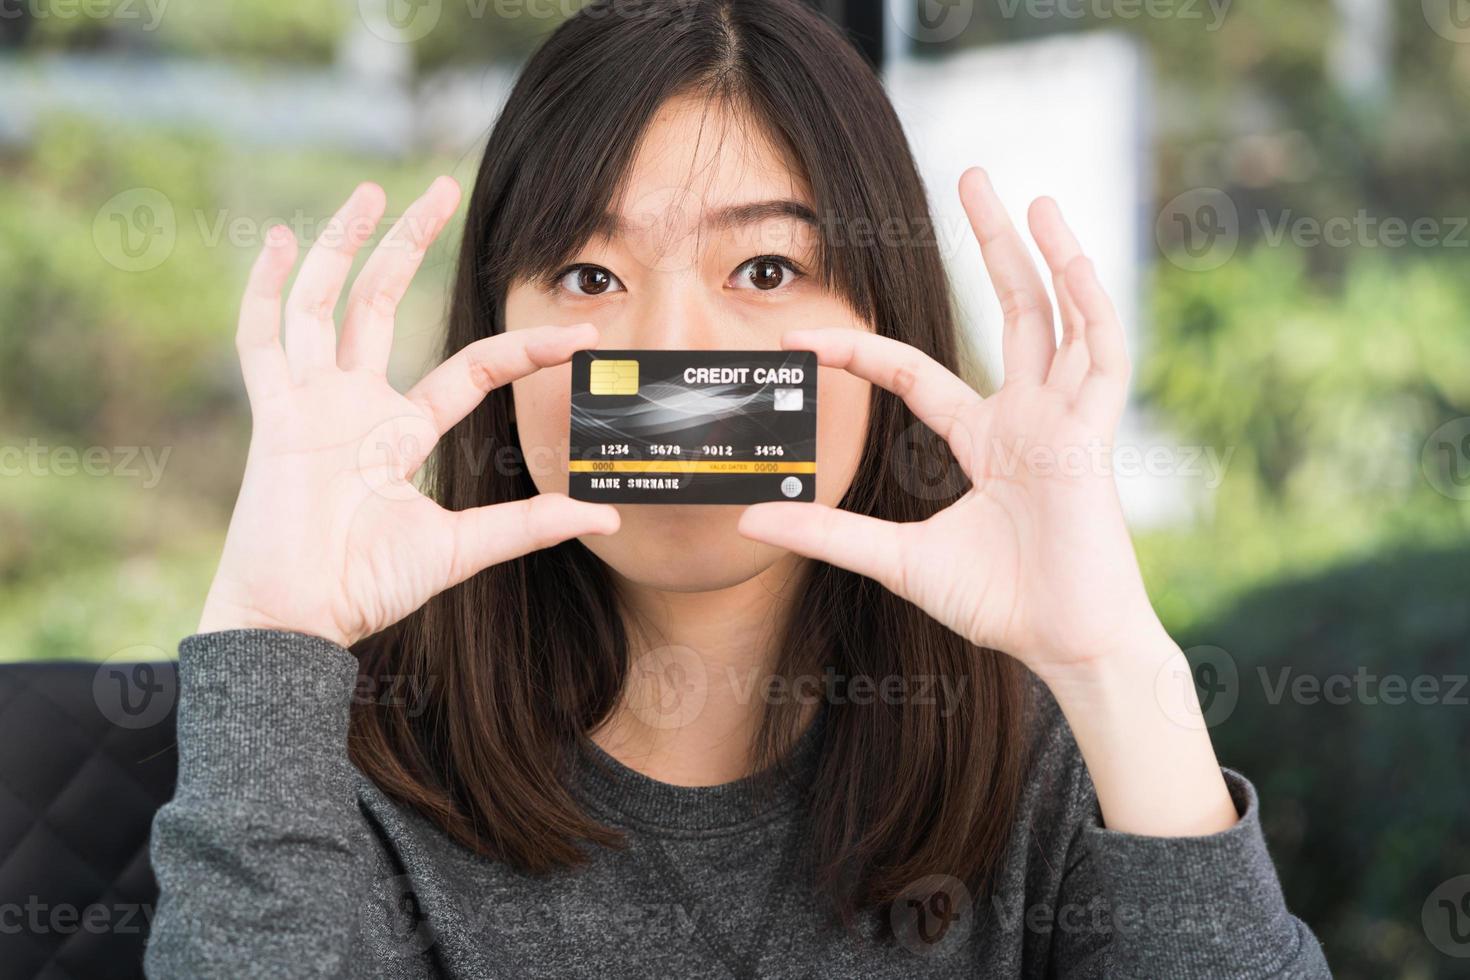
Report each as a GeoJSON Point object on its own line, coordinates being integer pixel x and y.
{"type": "Point", "coordinates": [518, 664]}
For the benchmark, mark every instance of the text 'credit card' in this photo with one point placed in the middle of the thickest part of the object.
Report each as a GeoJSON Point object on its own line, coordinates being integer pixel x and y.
{"type": "Point", "coordinates": [693, 426]}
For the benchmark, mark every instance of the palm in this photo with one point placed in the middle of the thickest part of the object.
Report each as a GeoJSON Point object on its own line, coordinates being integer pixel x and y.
{"type": "Point", "coordinates": [367, 547]}
{"type": "Point", "coordinates": [329, 535]}
{"type": "Point", "coordinates": [1034, 559]}
{"type": "Point", "coordinates": [1017, 540]}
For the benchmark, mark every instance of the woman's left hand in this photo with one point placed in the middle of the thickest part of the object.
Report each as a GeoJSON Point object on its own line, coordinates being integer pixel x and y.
{"type": "Point", "coordinates": [1035, 559]}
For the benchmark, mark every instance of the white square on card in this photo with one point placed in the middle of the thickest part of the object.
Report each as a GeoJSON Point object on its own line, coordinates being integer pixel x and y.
{"type": "Point", "coordinates": [788, 399]}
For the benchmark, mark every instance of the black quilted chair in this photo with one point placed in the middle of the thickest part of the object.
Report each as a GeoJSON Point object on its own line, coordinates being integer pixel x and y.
{"type": "Point", "coordinates": [87, 756]}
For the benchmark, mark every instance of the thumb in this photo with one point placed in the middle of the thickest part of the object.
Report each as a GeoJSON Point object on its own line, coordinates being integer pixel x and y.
{"type": "Point", "coordinates": [486, 536]}
{"type": "Point", "coordinates": [856, 542]}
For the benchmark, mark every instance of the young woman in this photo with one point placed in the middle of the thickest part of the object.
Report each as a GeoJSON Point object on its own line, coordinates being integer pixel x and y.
{"type": "Point", "coordinates": [918, 728]}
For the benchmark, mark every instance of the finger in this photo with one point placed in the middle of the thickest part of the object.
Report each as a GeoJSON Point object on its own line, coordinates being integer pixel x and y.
{"type": "Point", "coordinates": [489, 535]}
{"type": "Point", "coordinates": [1059, 247]}
{"type": "Point", "coordinates": [856, 542]}
{"type": "Point", "coordinates": [1104, 392]}
{"type": "Point", "coordinates": [258, 334]}
{"type": "Point", "coordinates": [1028, 340]}
{"type": "Point", "coordinates": [939, 399]}
{"type": "Point", "coordinates": [311, 338]}
{"type": "Point", "coordinates": [453, 389]}
{"type": "Point", "coordinates": [367, 331]}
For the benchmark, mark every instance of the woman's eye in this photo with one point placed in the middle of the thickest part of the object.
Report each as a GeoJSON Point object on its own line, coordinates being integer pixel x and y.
{"type": "Point", "coordinates": [765, 272]}
{"type": "Point", "coordinates": [588, 280]}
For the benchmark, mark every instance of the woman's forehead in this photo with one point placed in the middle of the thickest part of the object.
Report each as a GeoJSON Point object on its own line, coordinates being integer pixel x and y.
{"type": "Point", "coordinates": [700, 162]}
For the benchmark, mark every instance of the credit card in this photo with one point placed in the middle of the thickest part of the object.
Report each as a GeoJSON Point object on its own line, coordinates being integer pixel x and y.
{"type": "Point", "coordinates": [693, 426]}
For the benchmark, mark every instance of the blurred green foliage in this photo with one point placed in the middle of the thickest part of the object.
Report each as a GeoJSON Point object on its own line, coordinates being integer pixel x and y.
{"type": "Point", "coordinates": [139, 365]}
{"type": "Point", "coordinates": [1327, 551]}
{"type": "Point", "coordinates": [1323, 394]}
{"type": "Point", "coordinates": [269, 30]}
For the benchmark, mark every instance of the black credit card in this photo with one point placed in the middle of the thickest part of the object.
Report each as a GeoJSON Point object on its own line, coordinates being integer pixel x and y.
{"type": "Point", "coordinates": [693, 426]}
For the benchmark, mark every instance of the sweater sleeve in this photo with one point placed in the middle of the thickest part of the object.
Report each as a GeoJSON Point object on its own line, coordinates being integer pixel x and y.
{"type": "Point", "coordinates": [262, 856]}
{"type": "Point", "coordinates": [1187, 908]}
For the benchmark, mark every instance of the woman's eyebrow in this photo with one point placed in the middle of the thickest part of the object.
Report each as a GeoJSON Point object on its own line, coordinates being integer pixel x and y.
{"type": "Point", "coordinates": [731, 216]}
{"type": "Point", "coordinates": [737, 215]}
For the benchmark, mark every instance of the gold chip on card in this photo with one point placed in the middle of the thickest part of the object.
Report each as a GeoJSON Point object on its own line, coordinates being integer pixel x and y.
{"type": "Point", "coordinates": [613, 378]}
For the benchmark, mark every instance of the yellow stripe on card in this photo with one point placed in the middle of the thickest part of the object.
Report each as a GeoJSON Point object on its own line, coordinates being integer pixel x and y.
{"type": "Point", "coordinates": [613, 378]}
{"type": "Point", "coordinates": [688, 466]}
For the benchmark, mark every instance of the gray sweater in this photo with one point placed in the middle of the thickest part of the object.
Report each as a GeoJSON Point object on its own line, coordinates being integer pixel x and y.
{"type": "Point", "coordinates": [277, 858]}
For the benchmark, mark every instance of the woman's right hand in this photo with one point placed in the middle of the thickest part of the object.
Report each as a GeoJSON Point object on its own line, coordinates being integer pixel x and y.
{"type": "Point", "coordinates": [329, 536]}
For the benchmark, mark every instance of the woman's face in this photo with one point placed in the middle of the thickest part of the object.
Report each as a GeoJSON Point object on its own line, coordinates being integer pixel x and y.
{"type": "Point", "coordinates": [677, 271]}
